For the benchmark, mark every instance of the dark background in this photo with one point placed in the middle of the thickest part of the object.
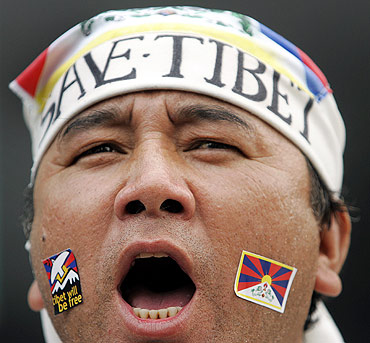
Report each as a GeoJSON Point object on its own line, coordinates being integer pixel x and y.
{"type": "Point", "coordinates": [335, 33]}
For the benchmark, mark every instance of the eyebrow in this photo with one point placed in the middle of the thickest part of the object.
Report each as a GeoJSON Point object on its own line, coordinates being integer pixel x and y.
{"type": "Point", "coordinates": [211, 114]}
{"type": "Point", "coordinates": [96, 118]}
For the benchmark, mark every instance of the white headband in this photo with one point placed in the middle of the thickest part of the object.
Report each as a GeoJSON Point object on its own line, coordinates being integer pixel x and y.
{"type": "Point", "coordinates": [221, 54]}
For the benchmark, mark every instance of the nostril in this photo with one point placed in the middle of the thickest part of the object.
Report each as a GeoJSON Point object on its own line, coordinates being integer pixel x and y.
{"type": "Point", "coordinates": [172, 206]}
{"type": "Point", "coordinates": [135, 207]}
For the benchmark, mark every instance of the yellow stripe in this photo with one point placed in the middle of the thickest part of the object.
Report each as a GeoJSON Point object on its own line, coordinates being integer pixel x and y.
{"type": "Point", "coordinates": [243, 43]}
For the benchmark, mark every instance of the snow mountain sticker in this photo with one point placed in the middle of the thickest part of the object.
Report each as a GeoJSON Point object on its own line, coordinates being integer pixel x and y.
{"type": "Point", "coordinates": [64, 281]}
{"type": "Point", "coordinates": [263, 281]}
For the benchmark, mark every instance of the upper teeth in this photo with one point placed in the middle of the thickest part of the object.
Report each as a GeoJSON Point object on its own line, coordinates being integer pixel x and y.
{"type": "Point", "coordinates": [156, 314]}
{"type": "Point", "coordinates": [151, 254]}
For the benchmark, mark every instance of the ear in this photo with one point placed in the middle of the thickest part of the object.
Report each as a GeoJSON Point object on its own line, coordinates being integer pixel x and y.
{"type": "Point", "coordinates": [35, 301]}
{"type": "Point", "coordinates": [333, 252]}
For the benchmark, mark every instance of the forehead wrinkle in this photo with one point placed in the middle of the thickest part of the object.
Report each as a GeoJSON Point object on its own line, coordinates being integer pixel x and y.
{"type": "Point", "coordinates": [211, 113]}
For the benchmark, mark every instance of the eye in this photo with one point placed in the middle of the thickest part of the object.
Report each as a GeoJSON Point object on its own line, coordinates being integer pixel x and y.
{"type": "Point", "coordinates": [212, 145]}
{"type": "Point", "coordinates": [99, 149]}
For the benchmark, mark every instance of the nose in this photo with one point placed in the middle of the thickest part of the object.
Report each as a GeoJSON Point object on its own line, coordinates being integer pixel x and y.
{"type": "Point", "coordinates": [156, 186]}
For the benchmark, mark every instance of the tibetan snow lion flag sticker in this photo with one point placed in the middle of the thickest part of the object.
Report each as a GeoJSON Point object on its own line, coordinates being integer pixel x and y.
{"type": "Point", "coordinates": [264, 281]}
{"type": "Point", "coordinates": [64, 281]}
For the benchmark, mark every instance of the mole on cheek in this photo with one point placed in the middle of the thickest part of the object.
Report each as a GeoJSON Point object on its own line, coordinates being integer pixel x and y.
{"type": "Point", "coordinates": [43, 238]}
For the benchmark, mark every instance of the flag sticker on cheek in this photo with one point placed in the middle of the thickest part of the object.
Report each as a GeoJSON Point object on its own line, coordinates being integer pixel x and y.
{"type": "Point", "coordinates": [64, 281]}
{"type": "Point", "coordinates": [263, 281]}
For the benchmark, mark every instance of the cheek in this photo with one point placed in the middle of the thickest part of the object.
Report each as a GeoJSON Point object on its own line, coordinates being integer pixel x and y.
{"type": "Point", "coordinates": [255, 208]}
{"type": "Point", "coordinates": [69, 210]}
{"type": "Point", "coordinates": [263, 215]}
{"type": "Point", "coordinates": [71, 214]}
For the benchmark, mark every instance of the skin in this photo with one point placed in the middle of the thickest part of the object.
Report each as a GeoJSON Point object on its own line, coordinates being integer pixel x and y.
{"type": "Point", "coordinates": [248, 191]}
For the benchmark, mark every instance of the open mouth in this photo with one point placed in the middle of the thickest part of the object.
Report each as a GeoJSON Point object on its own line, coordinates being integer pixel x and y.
{"type": "Point", "coordinates": [156, 287]}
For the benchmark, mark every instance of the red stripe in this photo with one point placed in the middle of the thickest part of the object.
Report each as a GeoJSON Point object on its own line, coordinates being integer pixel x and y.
{"type": "Point", "coordinates": [247, 271]}
{"type": "Point", "coordinates": [69, 260]}
{"type": "Point", "coordinates": [29, 79]}
{"type": "Point", "coordinates": [283, 277]}
{"type": "Point", "coordinates": [257, 264]}
{"type": "Point", "coordinates": [244, 285]}
{"type": "Point", "coordinates": [274, 268]}
{"type": "Point", "coordinates": [311, 64]}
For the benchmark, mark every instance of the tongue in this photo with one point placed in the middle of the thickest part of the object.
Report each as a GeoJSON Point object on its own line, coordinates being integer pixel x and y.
{"type": "Point", "coordinates": [144, 298]}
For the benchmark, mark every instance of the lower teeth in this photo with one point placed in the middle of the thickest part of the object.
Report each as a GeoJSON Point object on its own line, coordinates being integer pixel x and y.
{"type": "Point", "coordinates": [156, 314]}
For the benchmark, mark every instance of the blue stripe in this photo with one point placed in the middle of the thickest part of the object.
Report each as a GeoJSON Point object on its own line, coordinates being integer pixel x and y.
{"type": "Point", "coordinates": [278, 296]}
{"type": "Point", "coordinates": [284, 43]}
{"type": "Point", "coordinates": [265, 266]}
{"type": "Point", "coordinates": [281, 271]}
{"type": "Point", "coordinates": [314, 84]}
{"type": "Point", "coordinates": [248, 278]}
{"type": "Point", "coordinates": [72, 264]}
{"type": "Point", "coordinates": [283, 283]}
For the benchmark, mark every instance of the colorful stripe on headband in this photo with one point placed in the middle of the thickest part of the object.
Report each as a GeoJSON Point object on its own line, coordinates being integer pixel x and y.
{"type": "Point", "coordinates": [29, 79]}
{"type": "Point", "coordinates": [315, 78]}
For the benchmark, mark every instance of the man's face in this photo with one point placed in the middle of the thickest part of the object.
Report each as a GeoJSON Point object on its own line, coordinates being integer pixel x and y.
{"type": "Point", "coordinates": [185, 176]}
